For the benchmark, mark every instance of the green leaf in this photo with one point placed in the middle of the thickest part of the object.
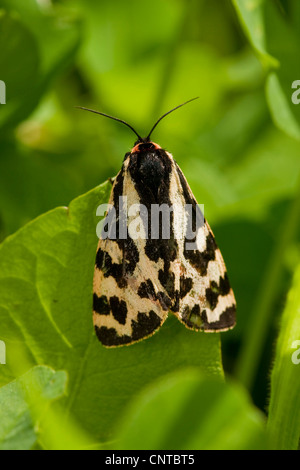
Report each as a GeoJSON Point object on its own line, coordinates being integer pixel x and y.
{"type": "Point", "coordinates": [31, 184]}
{"type": "Point", "coordinates": [283, 42]}
{"type": "Point", "coordinates": [280, 107]}
{"type": "Point", "coordinates": [46, 278]}
{"type": "Point", "coordinates": [42, 46]}
{"type": "Point", "coordinates": [19, 425]}
{"type": "Point", "coordinates": [187, 411]}
{"type": "Point", "coordinates": [57, 35]}
{"type": "Point", "coordinates": [13, 58]}
{"type": "Point", "coordinates": [251, 16]}
{"type": "Point", "coordinates": [275, 38]}
{"type": "Point", "coordinates": [262, 318]}
{"type": "Point", "coordinates": [284, 410]}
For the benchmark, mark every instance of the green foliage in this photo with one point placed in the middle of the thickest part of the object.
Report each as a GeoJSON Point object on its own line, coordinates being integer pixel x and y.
{"type": "Point", "coordinates": [25, 400]}
{"type": "Point", "coordinates": [284, 413]}
{"type": "Point", "coordinates": [46, 305]}
{"type": "Point", "coordinates": [51, 47]}
{"type": "Point", "coordinates": [275, 36]}
{"type": "Point", "coordinates": [193, 412]}
{"type": "Point", "coordinates": [239, 147]}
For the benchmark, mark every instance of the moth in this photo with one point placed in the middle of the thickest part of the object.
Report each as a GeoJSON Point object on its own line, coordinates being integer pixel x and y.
{"type": "Point", "coordinates": [140, 277]}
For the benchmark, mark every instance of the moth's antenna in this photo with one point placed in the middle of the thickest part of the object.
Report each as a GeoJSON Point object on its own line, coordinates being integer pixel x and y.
{"type": "Point", "coordinates": [164, 115]}
{"type": "Point", "coordinates": [111, 117]}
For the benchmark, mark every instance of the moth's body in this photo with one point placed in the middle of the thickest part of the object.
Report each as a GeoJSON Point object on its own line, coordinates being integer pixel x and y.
{"type": "Point", "coordinates": [138, 281]}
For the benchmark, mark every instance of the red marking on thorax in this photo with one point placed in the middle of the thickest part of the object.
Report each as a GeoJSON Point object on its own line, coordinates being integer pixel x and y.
{"type": "Point", "coordinates": [136, 148]}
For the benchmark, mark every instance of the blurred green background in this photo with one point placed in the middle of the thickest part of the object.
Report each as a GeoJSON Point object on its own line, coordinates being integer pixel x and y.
{"type": "Point", "coordinates": [238, 145]}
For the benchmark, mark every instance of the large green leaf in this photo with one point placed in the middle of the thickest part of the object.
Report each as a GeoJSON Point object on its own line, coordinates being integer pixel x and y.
{"type": "Point", "coordinates": [18, 420]}
{"type": "Point", "coordinates": [188, 411]}
{"type": "Point", "coordinates": [46, 273]}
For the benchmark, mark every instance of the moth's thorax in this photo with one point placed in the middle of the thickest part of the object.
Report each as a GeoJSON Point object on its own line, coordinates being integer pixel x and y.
{"type": "Point", "coordinates": [149, 167]}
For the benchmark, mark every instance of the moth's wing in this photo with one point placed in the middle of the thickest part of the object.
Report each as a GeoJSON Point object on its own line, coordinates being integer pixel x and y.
{"type": "Point", "coordinates": [206, 300]}
{"type": "Point", "coordinates": [129, 303]}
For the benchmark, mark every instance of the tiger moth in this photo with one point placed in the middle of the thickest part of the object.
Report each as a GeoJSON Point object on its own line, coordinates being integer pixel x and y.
{"type": "Point", "coordinates": [139, 280]}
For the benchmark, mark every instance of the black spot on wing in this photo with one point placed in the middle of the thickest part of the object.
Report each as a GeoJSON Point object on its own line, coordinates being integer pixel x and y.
{"type": "Point", "coordinates": [224, 285]}
{"type": "Point", "coordinates": [160, 248]}
{"type": "Point", "coordinates": [119, 271]}
{"type": "Point", "coordinates": [167, 279]}
{"type": "Point", "coordinates": [176, 301]}
{"type": "Point", "coordinates": [146, 291]}
{"type": "Point", "coordinates": [212, 295]}
{"type": "Point", "coordinates": [215, 290]}
{"type": "Point", "coordinates": [130, 254]}
{"type": "Point", "coordinates": [164, 300]}
{"type": "Point", "coordinates": [167, 251]}
{"type": "Point", "coordinates": [226, 321]}
{"type": "Point", "coordinates": [100, 262]}
{"type": "Point", "coordinates": [119, 309]}
{"type": "Point", "coordinates": [110, 337]}
{"type": "Point", "coordinates": [197, 319]}
{"type": "Point", "coordinates": [186, 283]}
{"type": "Point", "coordinates": [192, 317]}
{"type": "Point", "coordinates": [100, 305]}
{"type": "Point", "coordinates": [108, 268]}
{"type": "Point", "coordinates": [196, 310]}
{"type": "Point", "coordinates": [200, 259]}
{"type": "Point", "coordinates": [145, 325]}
